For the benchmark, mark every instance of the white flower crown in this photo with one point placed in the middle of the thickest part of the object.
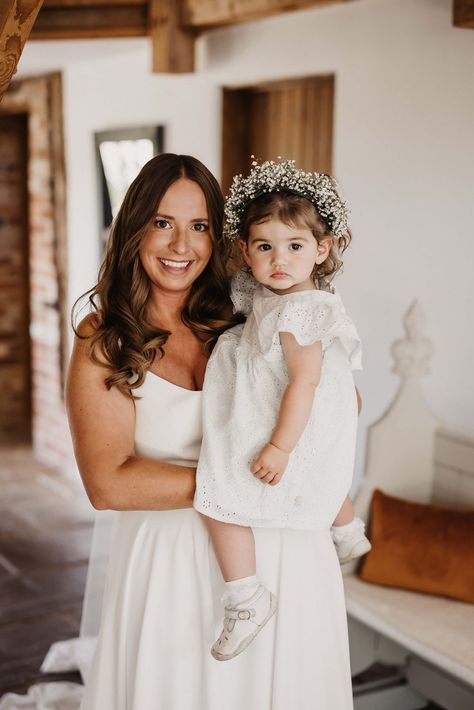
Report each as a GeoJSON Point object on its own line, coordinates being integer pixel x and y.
{"type": "Point", "coordinates": [271, 176]}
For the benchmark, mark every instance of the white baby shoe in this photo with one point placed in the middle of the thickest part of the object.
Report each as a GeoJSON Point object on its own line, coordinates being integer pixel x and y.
{"type": "Point", "coordinates": [350, 541]}
{"type": "Point", "coordinates": [242, 622]}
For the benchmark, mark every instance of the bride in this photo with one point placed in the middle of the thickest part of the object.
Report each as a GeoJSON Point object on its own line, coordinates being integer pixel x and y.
{"type": "Point", "coordinates": [134, 404]}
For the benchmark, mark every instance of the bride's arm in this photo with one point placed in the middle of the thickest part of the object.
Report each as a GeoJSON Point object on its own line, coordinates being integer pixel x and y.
{"type": "Point", "coordinates": [102, 424]}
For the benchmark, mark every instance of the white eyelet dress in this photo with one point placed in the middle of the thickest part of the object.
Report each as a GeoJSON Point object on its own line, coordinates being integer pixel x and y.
{"type": "Point", "coordinates": [245, 379]}
{"type": "Point", "coordinates": [162, 610]}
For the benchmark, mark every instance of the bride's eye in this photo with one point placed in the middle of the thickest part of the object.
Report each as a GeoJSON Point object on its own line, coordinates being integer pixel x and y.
{"type": "Point", "coordinates": [201, 227]}
{"type": "Point", "coordinates": [162, 224]}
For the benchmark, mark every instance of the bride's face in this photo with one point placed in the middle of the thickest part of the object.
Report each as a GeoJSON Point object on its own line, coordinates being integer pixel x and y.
{"type": "Point", "coordinates": [178, 246]}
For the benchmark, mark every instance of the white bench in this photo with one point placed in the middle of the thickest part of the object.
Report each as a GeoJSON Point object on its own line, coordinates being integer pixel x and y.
{"type": "Point", "coordinates": [431, 638]}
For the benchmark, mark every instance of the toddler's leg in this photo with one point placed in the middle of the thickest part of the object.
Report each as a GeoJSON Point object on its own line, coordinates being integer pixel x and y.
{"type": "Point", "coordinates": [348, 534]}
{"type": "Point", "coordinates": [248, 604]}
{"type": "Point", "coordinates": [234, 546]}
{"type": "Point", "coordinates": [345, 514]}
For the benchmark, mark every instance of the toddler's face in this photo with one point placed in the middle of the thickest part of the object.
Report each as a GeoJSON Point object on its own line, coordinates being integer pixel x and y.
{"type": "Point", "coordinates": [281, 257]}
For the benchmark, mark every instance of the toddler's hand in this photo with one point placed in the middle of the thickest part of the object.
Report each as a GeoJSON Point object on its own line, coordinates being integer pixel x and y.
{"type": "Point", "coordinates": [270, 464]}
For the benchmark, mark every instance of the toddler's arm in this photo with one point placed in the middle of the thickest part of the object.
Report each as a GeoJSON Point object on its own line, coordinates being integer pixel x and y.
{"type": "Point", "coordinates": [304, 371]}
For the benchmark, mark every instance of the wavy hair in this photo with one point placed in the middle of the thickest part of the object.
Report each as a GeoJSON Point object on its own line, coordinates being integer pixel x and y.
{"type": "Point", "coordinates": [123, 340]}
{"type": "Point", "coordinates": [297, 211]}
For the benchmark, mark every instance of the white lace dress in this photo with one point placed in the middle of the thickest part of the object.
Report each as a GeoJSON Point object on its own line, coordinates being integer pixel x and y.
{"type": "Point", "coordinates": [245, 380]}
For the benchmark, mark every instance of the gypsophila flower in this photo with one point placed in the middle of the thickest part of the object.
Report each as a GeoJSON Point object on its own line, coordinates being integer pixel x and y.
{"type": "Point", "coordinates": [271, 176]}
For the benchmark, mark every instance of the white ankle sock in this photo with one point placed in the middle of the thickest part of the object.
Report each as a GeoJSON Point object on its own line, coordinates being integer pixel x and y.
{"type": "Point", "coordinates": [238, 590]}
{"type": "Point", "coordinates": [339, 531]}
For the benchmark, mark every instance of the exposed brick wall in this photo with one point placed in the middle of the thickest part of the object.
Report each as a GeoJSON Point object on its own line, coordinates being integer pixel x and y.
{"type": "Point", "coordinates": [51, 439]}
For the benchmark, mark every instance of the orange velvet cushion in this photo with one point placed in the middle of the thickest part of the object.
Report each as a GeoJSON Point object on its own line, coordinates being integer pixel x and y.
{"type": "Point", "coordinates": [421, 547]}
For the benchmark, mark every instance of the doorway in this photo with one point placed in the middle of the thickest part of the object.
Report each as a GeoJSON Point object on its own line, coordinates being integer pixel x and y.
{"type": "Point", "coordinates": [291, 118]}
{"type": "Point", "coordinates": [44, 258]}
{"type": "Point", "coordinates": [15, 358]}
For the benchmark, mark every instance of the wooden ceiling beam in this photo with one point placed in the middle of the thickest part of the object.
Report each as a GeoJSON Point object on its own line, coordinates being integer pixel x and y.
{"type": "Point", "coordinates": [463, 14]}
{"type": "Point", "coordinates": [204, 14]}
{"type": "Point", "coordinates": [16, 20]}
{"type": "Point", "coordinates": [91, 3]}
{"type": "Point", "coordinates": [88, 22]}
{"type": "Point", "coordinates": [173, 46]}
{"type": "Point", "coordinates": [172, 24]}
{"type": "Point", "coordinates": [67, 4]}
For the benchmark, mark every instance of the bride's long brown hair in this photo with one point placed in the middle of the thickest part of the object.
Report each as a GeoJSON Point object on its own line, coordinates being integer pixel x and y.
{"type": "Point", "coordinates": [123, 340]}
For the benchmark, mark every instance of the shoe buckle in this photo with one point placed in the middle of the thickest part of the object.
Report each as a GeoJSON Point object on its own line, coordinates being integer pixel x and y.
{"type": "Point", "coordinates": [244, 615]}
{"type": "Point", "coordinates": [239, 614]}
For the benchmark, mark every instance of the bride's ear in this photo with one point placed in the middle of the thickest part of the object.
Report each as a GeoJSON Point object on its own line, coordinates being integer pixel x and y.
{"type": "Point", "coordinates": [245, 251]}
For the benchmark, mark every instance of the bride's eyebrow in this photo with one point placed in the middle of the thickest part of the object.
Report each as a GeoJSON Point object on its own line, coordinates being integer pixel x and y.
{"type": "Point", "coordinates": [167, 216]}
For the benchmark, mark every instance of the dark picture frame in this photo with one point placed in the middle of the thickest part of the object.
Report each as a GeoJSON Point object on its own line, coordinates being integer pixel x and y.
{"type": "Point", "coordinates": [120, 155]}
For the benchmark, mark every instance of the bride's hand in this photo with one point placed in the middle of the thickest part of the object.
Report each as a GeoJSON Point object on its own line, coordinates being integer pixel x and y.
{"type": "Point", "coordinates": [270, 464]}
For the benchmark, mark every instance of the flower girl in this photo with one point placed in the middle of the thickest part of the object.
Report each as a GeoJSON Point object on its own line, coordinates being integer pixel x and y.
{"type": "Point", "coordinates": [279, 401]}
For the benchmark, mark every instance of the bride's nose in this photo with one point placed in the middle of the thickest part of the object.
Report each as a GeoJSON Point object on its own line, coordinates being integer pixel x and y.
{"type": "Point", "coordinates": [179, 240]}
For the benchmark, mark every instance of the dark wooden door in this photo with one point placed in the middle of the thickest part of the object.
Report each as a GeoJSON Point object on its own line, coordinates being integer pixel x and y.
{"type": "Point", "coordinates": [15, 367]}
{"type": "Point", "coordinates": [292, 119]}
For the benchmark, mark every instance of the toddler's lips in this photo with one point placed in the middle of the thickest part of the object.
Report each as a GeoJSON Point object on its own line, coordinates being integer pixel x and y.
{"type": "Point", "coordinates": [279, 275]}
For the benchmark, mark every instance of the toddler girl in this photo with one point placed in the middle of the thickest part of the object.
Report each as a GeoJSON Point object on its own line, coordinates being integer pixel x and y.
{"type": "Point", "coordinates": [279, 404]}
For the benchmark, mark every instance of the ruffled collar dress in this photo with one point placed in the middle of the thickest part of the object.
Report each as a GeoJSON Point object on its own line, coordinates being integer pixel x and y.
{"type": "Point", "coordinates": [245, 380]}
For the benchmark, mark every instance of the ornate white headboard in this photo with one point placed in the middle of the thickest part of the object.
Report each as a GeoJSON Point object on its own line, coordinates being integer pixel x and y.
{"type": "Point", "coordinates": [409, 454]}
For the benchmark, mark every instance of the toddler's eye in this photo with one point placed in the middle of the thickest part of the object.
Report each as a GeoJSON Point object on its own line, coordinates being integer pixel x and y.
{"type": "Point", "coordinates": [200, 227]}
{"type": "Point", "coordinates": [162, 224]}
{"type": "Point", "coordinates": [295, 247]}
{"type": "Point", "coordinates": [264, 247]}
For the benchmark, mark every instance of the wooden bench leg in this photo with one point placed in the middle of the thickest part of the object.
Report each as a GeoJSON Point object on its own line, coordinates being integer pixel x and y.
{"type": "Point", "coordinates": [439, 686]}
{"type": "Point", "coordinates": [368, 647]}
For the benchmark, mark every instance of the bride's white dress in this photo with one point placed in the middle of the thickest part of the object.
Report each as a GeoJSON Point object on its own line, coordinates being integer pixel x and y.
{"type": "Point", "coordinates": [161, 609]}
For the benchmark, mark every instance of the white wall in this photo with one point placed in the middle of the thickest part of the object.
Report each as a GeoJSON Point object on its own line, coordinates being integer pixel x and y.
{"type": "Point", "coordinates": [403, 153]}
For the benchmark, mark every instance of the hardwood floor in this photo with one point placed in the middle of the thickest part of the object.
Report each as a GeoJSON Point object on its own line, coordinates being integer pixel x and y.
{"type": "Point", "coordinates": [45, 534]}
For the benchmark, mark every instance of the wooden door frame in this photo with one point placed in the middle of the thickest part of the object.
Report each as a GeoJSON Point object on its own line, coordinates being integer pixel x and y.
{"type": "Point", "coordinates": [229, 128]}
{"type": "Point", "coordinates": [18, 99]}
{"type": "Point", "coordinates": [19, 119]}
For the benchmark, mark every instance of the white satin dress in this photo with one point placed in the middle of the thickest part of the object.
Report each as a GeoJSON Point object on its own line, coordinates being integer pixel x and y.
{"type": "Point", "coordinates": [162, 611]}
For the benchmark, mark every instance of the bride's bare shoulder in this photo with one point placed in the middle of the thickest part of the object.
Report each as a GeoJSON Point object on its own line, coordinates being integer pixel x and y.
{"type": "Point", "coordinates": [87, 327]}
{"type": "Point", "coordinates": [87, 349]}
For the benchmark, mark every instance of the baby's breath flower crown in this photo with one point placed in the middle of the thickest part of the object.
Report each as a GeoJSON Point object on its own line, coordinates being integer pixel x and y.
{"type": "Point", "coordinates": [271, 176]}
